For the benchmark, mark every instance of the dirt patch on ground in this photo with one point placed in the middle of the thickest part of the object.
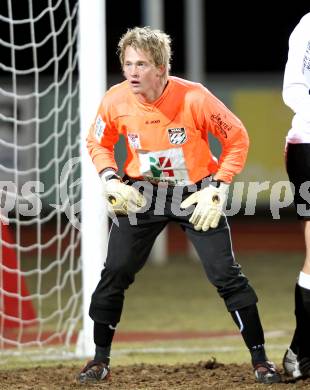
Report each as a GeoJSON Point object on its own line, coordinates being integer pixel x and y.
{"type": "Point", "coordinates": [203, 375]}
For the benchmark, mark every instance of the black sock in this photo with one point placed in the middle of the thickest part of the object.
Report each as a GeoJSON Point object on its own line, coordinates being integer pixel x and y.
{"type": "Point", "coordinates": [103, 336]}
{"type": "Point", "coordinates": [294, 343]}
{"type": "Point", "coordinates": [258, 354]}
{"type": "Point", "coordinates": [102, 354]}
{"type": "Point", "coordinates": [302, 313]}
{"type": "Point", "coordinates": [248, 321]}
{"type": "Point", "coordinates": [299, 316]}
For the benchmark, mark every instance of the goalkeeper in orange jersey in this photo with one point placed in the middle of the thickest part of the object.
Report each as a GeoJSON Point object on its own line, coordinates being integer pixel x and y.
{"type": "Point", "coordinates": [165, 121]}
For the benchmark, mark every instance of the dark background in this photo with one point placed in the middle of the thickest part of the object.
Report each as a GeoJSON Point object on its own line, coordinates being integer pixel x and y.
{"type": "Point", "coordinates": [249, 37]}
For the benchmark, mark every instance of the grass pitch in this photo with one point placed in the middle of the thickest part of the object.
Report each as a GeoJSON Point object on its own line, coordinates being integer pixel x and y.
{"type": "Point", "coordinates": [178, 297]}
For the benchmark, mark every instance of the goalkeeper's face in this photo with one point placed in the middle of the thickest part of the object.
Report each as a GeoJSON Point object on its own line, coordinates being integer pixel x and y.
{"type": "Point", "coordinates": [144, 78]}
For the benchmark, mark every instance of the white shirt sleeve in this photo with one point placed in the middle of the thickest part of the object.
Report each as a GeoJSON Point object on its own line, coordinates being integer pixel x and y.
{"type": "Point", "coordinates": [296, 84]}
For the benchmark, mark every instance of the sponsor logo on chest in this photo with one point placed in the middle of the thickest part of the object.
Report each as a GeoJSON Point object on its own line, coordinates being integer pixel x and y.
{"type": "Point", "coordinates": [164, 166]}
{"type": "Point", "coordinates": [161, 166]}
{"type": "Point", "coordinates": [177, 135]}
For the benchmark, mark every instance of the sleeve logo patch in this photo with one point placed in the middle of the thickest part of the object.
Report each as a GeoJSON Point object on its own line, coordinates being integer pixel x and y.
{"type": "Point", "coordinates": [177, 136]}
{"type": "Point", "coordinates": [134, 140]}
{"type": "Point", "coordinates": [222, 126]}
{"type": "Point", "coordinates": [99, 128]}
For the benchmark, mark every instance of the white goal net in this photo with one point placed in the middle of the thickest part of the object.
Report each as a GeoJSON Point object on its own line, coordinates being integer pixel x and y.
{"type": "Point", "coordinates": [40, 271]}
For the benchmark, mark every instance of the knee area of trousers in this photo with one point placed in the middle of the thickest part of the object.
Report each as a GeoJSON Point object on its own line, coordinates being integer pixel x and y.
{"type": "Point", "coordinates": [117, 269]}
{"type": "Point", "coordinates": [224, 282]}
{"type": "Point", "coordinates": [105, 316]}
{"type": "Point", "coordinates": [222, 273]}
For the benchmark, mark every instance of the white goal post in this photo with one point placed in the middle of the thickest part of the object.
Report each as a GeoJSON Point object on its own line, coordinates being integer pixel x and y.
{"type": "Point", "coordinates": [41, 282]}
{"type": "Point", "coordinates": [92, 54]}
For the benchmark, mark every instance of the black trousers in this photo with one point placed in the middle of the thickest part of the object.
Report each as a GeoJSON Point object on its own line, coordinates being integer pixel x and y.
{"type": "Point", "coordinates": [298, 170]}
{"type": "Point", "coordinates": [130, 244]}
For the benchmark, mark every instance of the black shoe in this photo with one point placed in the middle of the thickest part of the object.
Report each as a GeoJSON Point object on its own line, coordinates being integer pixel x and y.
{"type": "Point", "coordinates": [94, 372]}
{"type": "Point", "coordinates": [266, 372]}
{"type": "Point", "coordinates": [304, 366]}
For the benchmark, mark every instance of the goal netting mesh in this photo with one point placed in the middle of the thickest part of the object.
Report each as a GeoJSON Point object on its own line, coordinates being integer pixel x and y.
{"type": "Point", "coordinates": [40, 272]}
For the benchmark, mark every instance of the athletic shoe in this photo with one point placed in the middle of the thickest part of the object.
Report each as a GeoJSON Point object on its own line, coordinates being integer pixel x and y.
{"type": "Point", "coordinates": [291, 364]}
{"type": "Point", "coordinates": [266, 372]}
{"type": "Point", "coordinates": [94, 372]}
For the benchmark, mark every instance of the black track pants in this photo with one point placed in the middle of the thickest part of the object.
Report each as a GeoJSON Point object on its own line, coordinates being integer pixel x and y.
{"type": "Point", "coordinates": [130, 245]}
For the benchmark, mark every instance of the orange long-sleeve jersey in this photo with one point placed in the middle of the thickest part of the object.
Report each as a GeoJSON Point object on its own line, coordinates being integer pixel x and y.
{"type": "Point", "coordinates": [167, 140]}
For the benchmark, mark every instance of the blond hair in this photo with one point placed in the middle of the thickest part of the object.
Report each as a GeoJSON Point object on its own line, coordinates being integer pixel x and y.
{"type": "Point", "coordinates": [153, 42]}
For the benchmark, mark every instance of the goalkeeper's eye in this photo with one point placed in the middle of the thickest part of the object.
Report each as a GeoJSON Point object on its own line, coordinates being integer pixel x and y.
{"type": "Point", "coordinates": [112, 199]}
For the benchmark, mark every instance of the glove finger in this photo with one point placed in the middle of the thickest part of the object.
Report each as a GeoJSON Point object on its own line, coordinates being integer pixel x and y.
{"type": "Point", "coordinates": [135, 201]}
{"type": "Point", "coordinates": [139, 199]}
{"type": "Point", "coordinates": [114, 210]}
{"type": "Point", "coordinates": [208, 220]}
{"type": "Point", "coordinates": [192, 199]}
{"type": "Point", "coordinates": [194, 219]}
{"type": "Point", "coordinates": [133, 205]}
{"type": "Point", "coordinates": [199, 221]}
{"type": "Point", "coordinates": [205, 225]}
{"type": "Point", "coordinates": [216, 220]}
{"type": "Point", "coordinates": [198, 226]}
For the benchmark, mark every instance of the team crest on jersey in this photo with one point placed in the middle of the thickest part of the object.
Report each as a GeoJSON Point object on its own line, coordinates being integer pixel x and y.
{"type": "Point", "coordinates": [177, 136]}
{"type": "Point", "coordinates": [134, 140]}
{"type": "Point", "coordinates": [99, 128]}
